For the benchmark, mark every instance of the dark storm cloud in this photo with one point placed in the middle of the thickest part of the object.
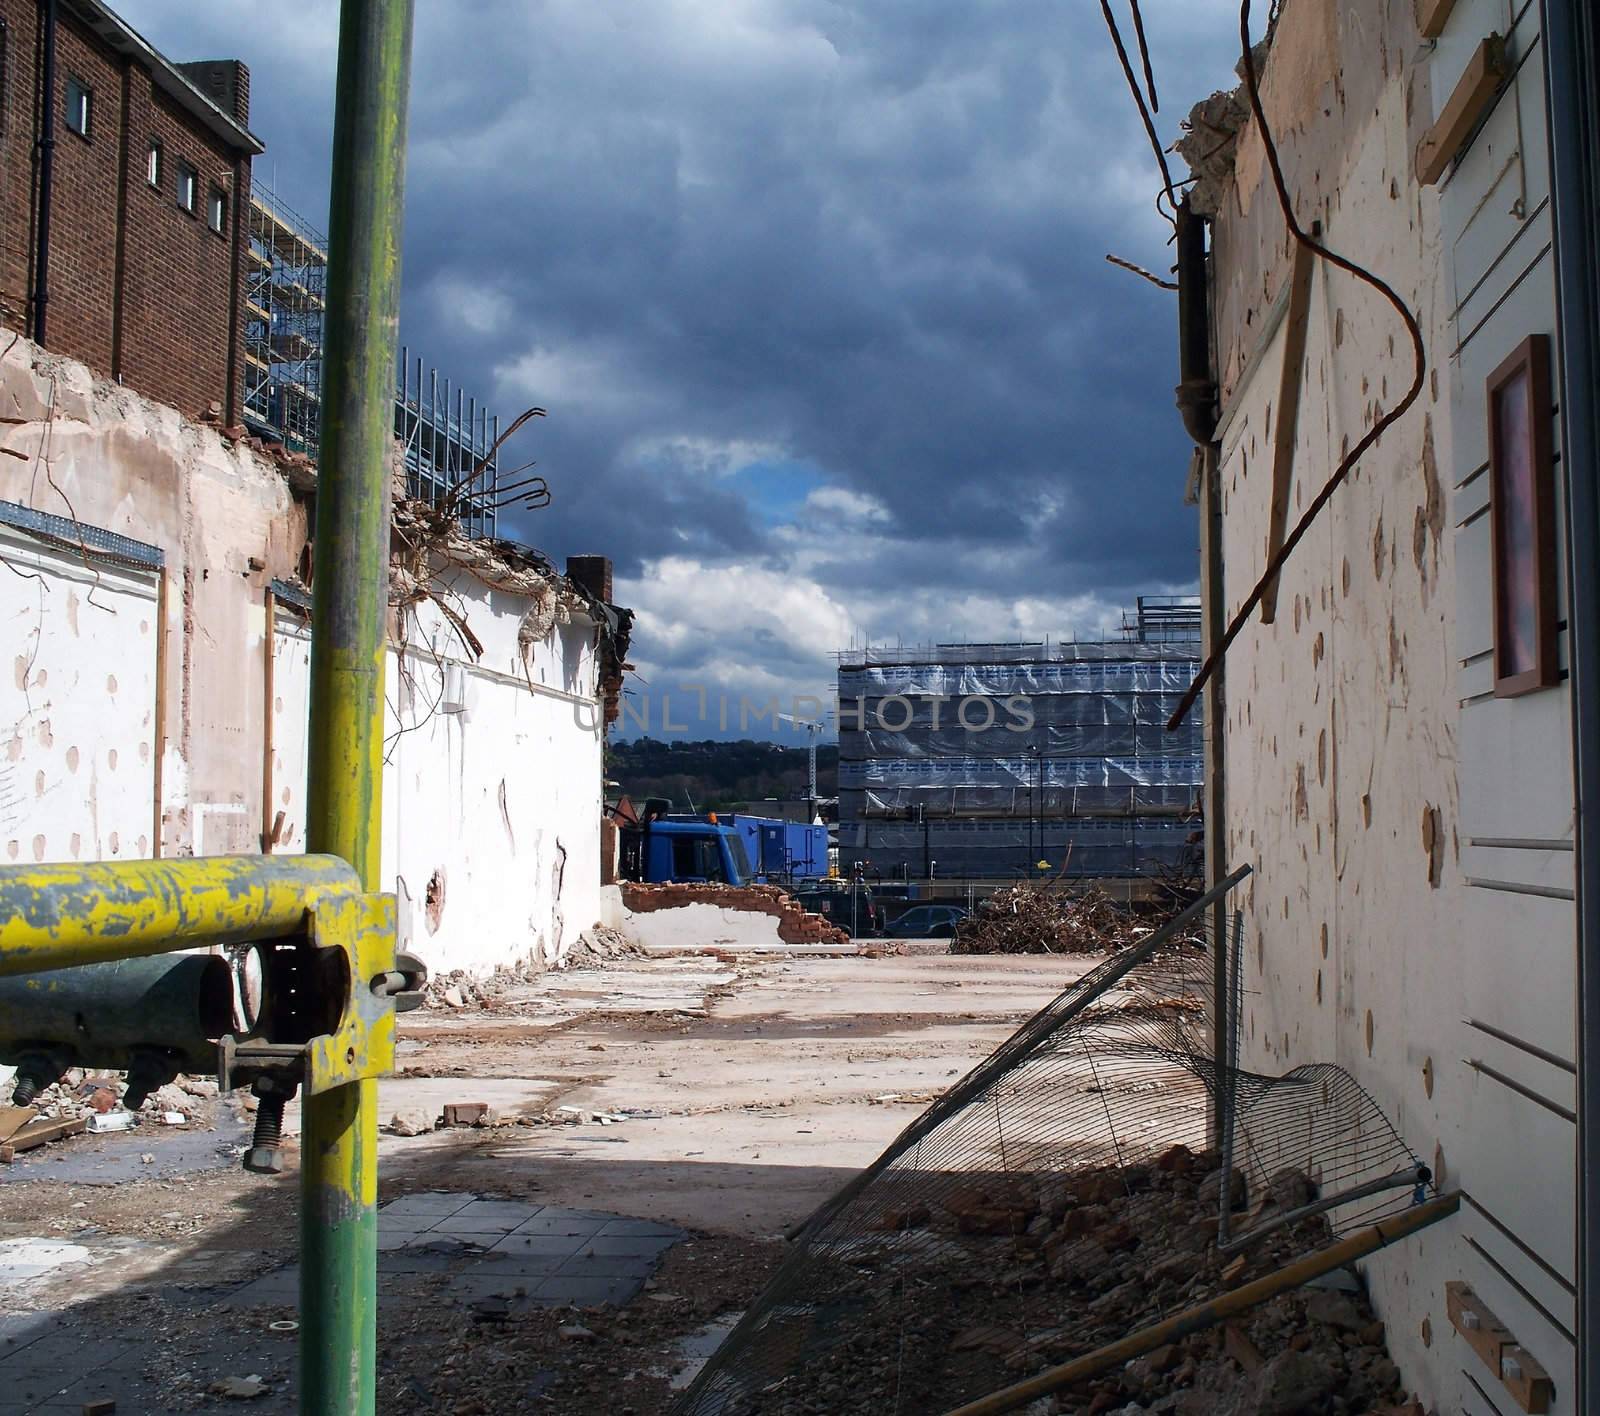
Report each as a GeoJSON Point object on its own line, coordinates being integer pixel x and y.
{"type": "Point", "coordinates": [864, 238]}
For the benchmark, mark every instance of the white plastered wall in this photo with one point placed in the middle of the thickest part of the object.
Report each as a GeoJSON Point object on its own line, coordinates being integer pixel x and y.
{"type": "Point", "coordinates": [77, 705]}
{"type": "Point", "coordinates": [1362, 755]}
{"type": "Point", "coordinates": [503, 801]}
{"type": "Point", "coordinates": [491, 815]}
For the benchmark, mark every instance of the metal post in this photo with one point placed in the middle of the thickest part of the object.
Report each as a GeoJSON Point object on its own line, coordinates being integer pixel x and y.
{"type": "Point", "coordinates": [339, 1150]}
{"type": "Point", "coordinates": [1572, 58]}
{"type": "Point", "coordinates": [46, 149]}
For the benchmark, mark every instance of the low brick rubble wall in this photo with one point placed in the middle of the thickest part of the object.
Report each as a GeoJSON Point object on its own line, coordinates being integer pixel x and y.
{"type": "Point", "coordinates": [796, 925]}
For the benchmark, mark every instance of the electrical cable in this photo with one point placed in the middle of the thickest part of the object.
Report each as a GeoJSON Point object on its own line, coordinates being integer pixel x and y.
{"type": "Point", "coordinates": [1168, 185]}
{"type": "Point", "coordinates": [1336, 478]}
{"type": "Point", "coordinates": [1144, 56]}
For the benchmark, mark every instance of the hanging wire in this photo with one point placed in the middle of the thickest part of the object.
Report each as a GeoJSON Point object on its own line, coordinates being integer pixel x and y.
{"type": "Point", "coordinates": [1149, 275]}
{"type": "Point", "coordinates": [1144, 56]}
{"type": "Point", "coordinates": [1420, 367]}
{"type": "Point", "coordinates": [1168, 186]}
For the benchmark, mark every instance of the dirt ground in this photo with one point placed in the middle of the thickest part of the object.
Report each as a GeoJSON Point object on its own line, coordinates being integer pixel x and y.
{"type": "Point", "coordinates": [725, 1098]}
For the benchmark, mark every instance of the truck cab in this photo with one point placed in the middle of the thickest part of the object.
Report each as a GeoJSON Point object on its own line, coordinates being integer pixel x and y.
{"type": "Point", "coordinates": [702, 852]}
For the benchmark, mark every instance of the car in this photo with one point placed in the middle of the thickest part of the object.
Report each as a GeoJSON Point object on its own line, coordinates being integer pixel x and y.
{"type": "Point", "coordinates": [927, 922]}
{"type": "Point", "coordinates": [850, 908]}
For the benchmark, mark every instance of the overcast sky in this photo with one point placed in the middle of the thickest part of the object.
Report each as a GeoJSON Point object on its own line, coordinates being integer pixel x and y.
{"type": "Point", "coordinates": [814, 292]}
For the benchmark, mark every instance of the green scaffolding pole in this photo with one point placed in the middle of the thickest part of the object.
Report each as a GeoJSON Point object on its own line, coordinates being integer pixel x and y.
{"type": "Point", "coordinates": [339, 1144]}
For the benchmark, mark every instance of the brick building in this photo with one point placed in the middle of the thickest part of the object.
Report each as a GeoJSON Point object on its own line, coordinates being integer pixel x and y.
{"type": "Point", "coordinates": [123, 202]}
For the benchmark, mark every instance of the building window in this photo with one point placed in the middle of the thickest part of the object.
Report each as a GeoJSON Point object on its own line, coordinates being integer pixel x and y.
{"type": "Point", "coordinates": [80, 105]}
{"type": "Point", "coordinates": [188, 188]}
{"type": "Point", "coordinates": [217, 210]}
{"type": "Point", "coordinates": [155, 164]}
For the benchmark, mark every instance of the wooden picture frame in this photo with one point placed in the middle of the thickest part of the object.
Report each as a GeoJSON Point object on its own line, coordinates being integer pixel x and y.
{"type": "Point", "coordinates": [1522, 530]}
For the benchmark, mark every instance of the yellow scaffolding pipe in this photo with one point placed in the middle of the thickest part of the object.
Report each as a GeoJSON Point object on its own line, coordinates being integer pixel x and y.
{"type": "Point", "coordinates": [60, 916]}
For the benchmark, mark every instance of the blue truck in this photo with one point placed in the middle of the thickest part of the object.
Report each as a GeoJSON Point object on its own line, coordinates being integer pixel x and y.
{"type": "Point", "coordinates": [697, 850]}
{"type": "Point", "coordinates": [782, 851]}
{"type": "Point", "coordinates": [738, 849]}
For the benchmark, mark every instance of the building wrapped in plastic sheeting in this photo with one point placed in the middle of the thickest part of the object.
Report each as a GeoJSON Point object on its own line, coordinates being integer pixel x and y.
{"type": "Point", "coordinates": [1004, 761]}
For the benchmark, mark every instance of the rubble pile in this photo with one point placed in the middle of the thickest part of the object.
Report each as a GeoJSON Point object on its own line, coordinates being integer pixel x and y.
{"type": "Point", "coordinates": [1024, 919]}
{"type": "Point", "coordinates": [796, 924]}
{"type": "Point", "coordinates": [597, 947]}
{"type": "Point", "coordinates": [81, 1094]}
{"type": "Point", "coordinates": [486, 992]}
{"type": "Point", "coordinates": [989, 1280]}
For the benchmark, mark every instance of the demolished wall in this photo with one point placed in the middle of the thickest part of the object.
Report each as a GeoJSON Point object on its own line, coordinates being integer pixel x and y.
{"type": "Point", "coordinates": [224, 524]}
{"type": "Point", "coordinates": [682, 914]}
{"type": "Point", "coordinates": [151, 669]}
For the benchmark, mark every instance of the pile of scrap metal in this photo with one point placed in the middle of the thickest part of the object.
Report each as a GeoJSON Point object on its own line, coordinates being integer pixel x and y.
{"type": "Point", "coordinates": [1027, 919]}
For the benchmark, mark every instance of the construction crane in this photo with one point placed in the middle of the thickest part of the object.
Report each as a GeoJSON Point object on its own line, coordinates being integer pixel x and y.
{"type": "Point", "coordinates": [813, 728]}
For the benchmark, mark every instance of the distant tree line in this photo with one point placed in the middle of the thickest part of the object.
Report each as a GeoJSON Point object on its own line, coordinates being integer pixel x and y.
{"type": "Point", "coordinates": [717, 776]}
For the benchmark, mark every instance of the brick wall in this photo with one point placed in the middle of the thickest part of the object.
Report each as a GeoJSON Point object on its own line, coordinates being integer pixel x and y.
{"type": "Point", "coordinates": [18, 47]}
{"type": "Point", "coordinates": [796, 925]}
{"type": "Point", "coordinates": [139, 288]}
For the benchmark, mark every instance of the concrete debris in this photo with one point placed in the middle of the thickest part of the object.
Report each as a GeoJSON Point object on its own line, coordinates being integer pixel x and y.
{"type": "Point", "coordinates": [1028, 919]}
{"type": "Point", "coordinates": [172, 1097]}
{"type": "Point", "coordinates": [596, 947]}
{"type": "Point", "coordinates": [410, 1123]}
{"type": "Point", "coordinates": [1209, 144]}
{"type": "Point", "coordinates": [459, 989]}
{"type": "Point", "coordinates": [240, 1388]}
{"type": "Point", "coordinates": [575, 1332]}
{"type": "Point", "coordinates": [1015, 1273]}
{"type": "Point", "coordinates": [118, 1120]}
{"type": "Point", "coordinates": [796, 924]}
{"type": "Point", "coordinates": [99, 1099]}
{"type": "Point", "coordinates": [467, 1113]}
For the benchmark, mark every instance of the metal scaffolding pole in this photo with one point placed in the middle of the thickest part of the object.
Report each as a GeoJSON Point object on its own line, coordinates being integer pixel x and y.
{"type": "Point", "coordinates": [339, 1180]}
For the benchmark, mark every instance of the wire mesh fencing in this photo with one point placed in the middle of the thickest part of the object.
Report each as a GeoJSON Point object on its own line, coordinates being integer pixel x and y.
{"type": "Point", "coordinates": [1070, 1189]}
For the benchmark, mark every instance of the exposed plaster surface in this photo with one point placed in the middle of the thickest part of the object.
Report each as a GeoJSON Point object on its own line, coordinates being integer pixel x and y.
{"type": "Point", "coordinates": [1364, 749]}
{"type": "Point", "coordinates": [502, 800]}
{"type": "Point", "coordinates": [116, 461]}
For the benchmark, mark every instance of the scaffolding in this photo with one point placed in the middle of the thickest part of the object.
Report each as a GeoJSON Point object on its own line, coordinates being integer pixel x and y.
{"type": "Point", "coordinates": [994, 762]}
{"type": "Point", "coordinates": [448, 440]}
{"type": "Point", "coordinates": [1163, 619]}
{"type": "Point", "coordinates": [445, 446]}
{"type": "Point", "coordinates": [285, 286]}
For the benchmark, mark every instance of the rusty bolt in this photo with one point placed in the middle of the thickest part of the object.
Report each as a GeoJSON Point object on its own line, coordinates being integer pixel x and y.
{"type": "Point", "coordinates": [265, 1156]}
{"type": "Point", "coordinates": [264, 1160]}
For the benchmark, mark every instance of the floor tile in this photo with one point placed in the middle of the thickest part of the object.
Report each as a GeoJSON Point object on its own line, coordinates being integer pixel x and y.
{"type": "Point", "coordinates": [612, 1246]}
{"type": "Point", "coordinates": [479, 1209]}
{"type": "Point", "coordinates": [563, 1291]}
{"type": "Point", "coordinates": [559, 1222]}
{"type": "Point", "coordinates": [629, 1227]}
{"type": "Point", "coordinates": [609, 1266]}
{"type": "Point", "coordinates": [478, 1224]}
{"type": "Point", "coordinates": [566, 1245]}
{"type": "Point", "coordinates": [435, 1202]}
